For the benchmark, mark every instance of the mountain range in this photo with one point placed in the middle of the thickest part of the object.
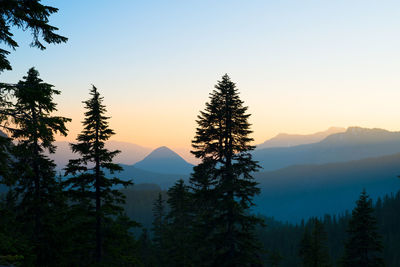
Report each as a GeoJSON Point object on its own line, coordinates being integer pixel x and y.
{"type": "Point", "coordinates": [298, 192]}
{"type": "Point", "coordinates": [297, 181]}
{"type": "Point", "coordinates": [130, 153]}
{"type": "Point", "coordinates": [288, 140]}
{"type": "Point", "coordinates": [162, 167]}
{"type": "Point", "coordinates": [355, 143]}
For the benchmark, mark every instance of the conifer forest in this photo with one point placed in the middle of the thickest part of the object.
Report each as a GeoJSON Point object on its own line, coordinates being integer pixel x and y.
{"type": "Point", "coordinates": [239, 204]}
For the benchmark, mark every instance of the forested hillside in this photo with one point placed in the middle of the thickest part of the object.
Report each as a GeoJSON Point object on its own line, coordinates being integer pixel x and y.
{"type": "Point", "coordinates": [285, 238]}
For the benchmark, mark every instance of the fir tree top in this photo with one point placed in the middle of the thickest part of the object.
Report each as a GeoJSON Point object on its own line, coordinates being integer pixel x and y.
{"type": "Point", "coordinates": [223, 126]}
{"type": "Point", "coordinates": [31, 112]}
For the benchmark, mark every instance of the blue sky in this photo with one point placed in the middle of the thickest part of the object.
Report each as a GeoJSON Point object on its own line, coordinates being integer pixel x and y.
{"type": "Point", "coordinates": [301, 66]}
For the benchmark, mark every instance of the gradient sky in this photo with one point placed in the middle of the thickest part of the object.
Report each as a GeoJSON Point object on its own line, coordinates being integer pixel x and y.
{"type": "Point", "coordinates": [301, 66]}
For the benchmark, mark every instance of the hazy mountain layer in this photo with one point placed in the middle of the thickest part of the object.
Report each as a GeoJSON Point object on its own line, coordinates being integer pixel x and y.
{"type": "Point", "coordinates": [302, 191]}
{"type": "Point", "coordinates": [356, 143]}
{"type": "Point", "coordinates": [139, 176]}
{"type": "Point", "coordinates": [288, 140]}
{"type": "Point", "coordinates": [130, 153]}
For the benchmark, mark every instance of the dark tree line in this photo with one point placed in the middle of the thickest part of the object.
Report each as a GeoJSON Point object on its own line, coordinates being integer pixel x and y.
{"type": "Point", "coordinates": [366, 237]}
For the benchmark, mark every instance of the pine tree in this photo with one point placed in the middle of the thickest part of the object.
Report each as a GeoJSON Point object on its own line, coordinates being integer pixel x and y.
{"type": "Point", "coordinates": [159, 229]}
{"type": "Point", "coordinates": [222, 142]}
{"type": "Point", "coordinates": [26, 15]}
{"type": "Point", "coordinates": [313, 249]}
{"type": "Point", "coordinates": [179, 230]}
{"type": "Point", "coordinates": [89, 187]}
{"type": "Point", "coordinates": [38, 192]}
{"type": "Point", "coordinates": [146, 251]}
{"type": "Point", "coordinates": [363, 246]}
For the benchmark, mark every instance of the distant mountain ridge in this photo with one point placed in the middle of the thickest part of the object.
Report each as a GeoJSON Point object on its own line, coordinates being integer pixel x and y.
{"type": "Point", "coordinates": [299, 192]}
{"type": "Point", "coordinates": [164, 160]}
{"type": "Point", "coordinates": [288, 140]}
{"type": "Point", "coordinates": [353, 144]}
{"type": "Point", "coordinates": [130, 153]}
{"type": "Point", "coordinates": [359, 135]}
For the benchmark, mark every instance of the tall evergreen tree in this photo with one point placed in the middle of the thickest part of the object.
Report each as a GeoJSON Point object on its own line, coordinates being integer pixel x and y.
{"type": "Point", "coordinates": [26, 15]}
{"type": "Point", "coordinates": [363, 246]}
{"type": "Point", "coordinates": [146, 251]}
{"type": "Point", "coordinates": [89, 185]}
{"type": "Point", "coordinates": [159, 229]}
{"type": "Point", "coordinates": [179, 229]}
{"type": "Point", "coordinates": [31, 124]}
{"type": "Point", "coordinates": [222, 142]}
{"type": "Point", "coordinates": [313, 248]}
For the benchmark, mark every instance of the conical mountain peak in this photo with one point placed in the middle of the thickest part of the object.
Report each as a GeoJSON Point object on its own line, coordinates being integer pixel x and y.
{"type": "Point", "coordinates": [163, 152]}
{"type": "Point", "coordinates": [164, 160]}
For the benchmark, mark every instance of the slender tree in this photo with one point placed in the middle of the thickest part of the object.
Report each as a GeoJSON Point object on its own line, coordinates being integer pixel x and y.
{"type": "Point", "coordinates": [363, 246]}
{"type": "Point", "coordinates": [30, 15]}
{"type": "Point", "coordinates": [89, 183]}
{"type": "Point", "coordinates": [179, 229]}
{"type": "Point", "coordinates": [313, 249]}
{"type": "Point", "coordinates": [146, 251]}
{"type": "Point", "coordinates": [159, 229]}
{"type": "Point", "coordinates": [222, 142]}
{"type": "Point", "coordinates": [30, 123]}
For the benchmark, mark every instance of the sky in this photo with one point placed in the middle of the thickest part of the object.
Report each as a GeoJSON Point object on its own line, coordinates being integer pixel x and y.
{"type": "Point", "coordinates": [300, 66]}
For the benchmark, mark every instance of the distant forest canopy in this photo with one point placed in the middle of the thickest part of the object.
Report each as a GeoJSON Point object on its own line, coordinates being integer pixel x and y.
{"type": "Point", "coordinates": [88, 215]}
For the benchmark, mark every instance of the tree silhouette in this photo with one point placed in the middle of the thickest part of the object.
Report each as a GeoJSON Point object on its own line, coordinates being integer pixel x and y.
{"type": "Point", "coordinates": [222, 142]}
{"type": "Point", "coordinates": [89, 182]}
{"type": "Point", "coordinates": [313, 249]}
{"type": "Point", "coordinates": [363, 246]}
{"type": "Point", "coordinates": [159, 229]}
{"type": "Point", "coordinates": [179, 218]}
{"type": "Point", "coordinates": [33, 127]}
{"type": "Point", "coordinates": [25, 15]}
